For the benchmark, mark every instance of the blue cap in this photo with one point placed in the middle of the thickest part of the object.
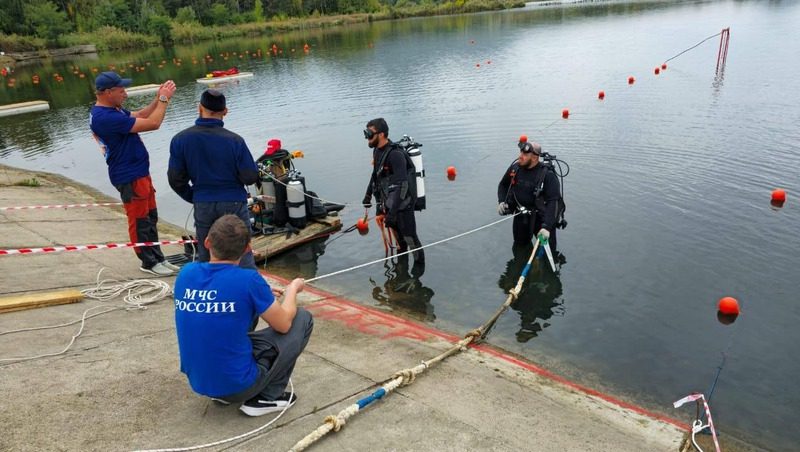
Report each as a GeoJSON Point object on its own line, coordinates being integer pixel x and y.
{"type": "Point", "coordinates": [110, 79]}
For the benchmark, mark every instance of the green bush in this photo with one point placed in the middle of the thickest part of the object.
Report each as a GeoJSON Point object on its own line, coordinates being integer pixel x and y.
{"type": "Point", "coordinates": [191, 32]}
{"type": "Point", "coordinates": [46, 21]}
{"type": "Point", "coordinates": [110, 38]}
{"type": "Point", "coordinates": [160, 26]}
{"type": "Point", "coordinates": [219, 14]}
{"type": "Point", "coordinates": [185, 15]}
{"type": "Point", "coordinates": [16, 43]}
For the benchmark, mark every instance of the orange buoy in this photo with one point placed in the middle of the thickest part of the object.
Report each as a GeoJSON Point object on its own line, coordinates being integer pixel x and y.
{"type": "Point", "coordinates": [779, 195]}
{"type": "Point", "coordinates": [601, 95]}
{"type": "Point", "coordinates": [631, 80]}
{"type": "Point", "coordinates": [664, 67]}
{"type": "Point", "coordinates": [363, 226]}
{"type": "Point", "coordinates": [728, 306]}
{"type": "Point", "coordinates": [565, 113]}
{"type": "Point", "coordinates": [657, 71]}
{"type": "Point", "coordinates": [451, 171]}
{"type": "Point", "coordinates": [523, 138]}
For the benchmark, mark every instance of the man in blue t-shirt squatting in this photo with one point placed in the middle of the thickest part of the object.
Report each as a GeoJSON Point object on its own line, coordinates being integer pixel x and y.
{"type": "Point", "coordinates": [117, 132]}
{"type": "Point", "coordinates": [215, 305]}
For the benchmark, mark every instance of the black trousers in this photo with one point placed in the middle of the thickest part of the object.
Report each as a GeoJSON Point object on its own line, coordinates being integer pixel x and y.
{"type": "Point", "coordinates": [525, 228]}
{"type": "Point", "coordinates": [406, 233]}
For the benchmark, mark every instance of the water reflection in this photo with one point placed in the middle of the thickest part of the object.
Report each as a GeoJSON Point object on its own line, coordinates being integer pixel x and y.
{"type": "Point", "coordinates": [540, 298]}
{"type": "Point", "coordinates": [301, 261]}
{"type": "Point", "coordinates": [403, 289]}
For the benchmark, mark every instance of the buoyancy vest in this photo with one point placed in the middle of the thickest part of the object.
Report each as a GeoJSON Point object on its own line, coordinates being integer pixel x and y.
{"type": "Point", "coordinates": [535, 186]}
{"type": "Point", "coordinates": [408, 187]}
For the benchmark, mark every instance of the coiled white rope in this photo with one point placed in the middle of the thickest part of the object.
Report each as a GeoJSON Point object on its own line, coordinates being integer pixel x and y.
{"type": "Point", "coordinates": [140, 293]}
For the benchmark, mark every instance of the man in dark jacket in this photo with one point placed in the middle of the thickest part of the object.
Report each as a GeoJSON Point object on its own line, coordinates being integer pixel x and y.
{"type": "Point", "coordinates": [209, 167]}
{"type": "Point", "coordinates": [533, 186]}
{"type": "Point", "coordinates": [389, 183]}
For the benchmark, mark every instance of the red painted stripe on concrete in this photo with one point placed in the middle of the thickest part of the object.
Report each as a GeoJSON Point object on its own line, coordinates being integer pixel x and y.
{"type": "Point", "coordinates": [331, 298]}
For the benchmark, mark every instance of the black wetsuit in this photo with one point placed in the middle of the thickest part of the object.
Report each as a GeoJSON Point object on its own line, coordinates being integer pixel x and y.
{"type": "Point", "coordinates": [518, 187]}
{"type": "Point", "coordinates": [389, 184]}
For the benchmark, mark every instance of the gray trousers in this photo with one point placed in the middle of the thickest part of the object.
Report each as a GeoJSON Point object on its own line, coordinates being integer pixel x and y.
{"type": "Point", "coordinates": [206, 213]}
{"type": "Point", "coordinates": [276, 355]}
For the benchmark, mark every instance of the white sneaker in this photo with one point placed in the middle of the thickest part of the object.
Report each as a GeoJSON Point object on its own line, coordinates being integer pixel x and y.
{"type": "Point", "coordinates": [171, 266]}
{"type": "Point", "coordinates": [159, 270]}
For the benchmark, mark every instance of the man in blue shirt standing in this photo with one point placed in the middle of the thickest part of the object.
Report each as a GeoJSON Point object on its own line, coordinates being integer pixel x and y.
{"type": "Point", "coordinates": [209, 167]}
{"type": "Point", "coordinates": [215, 303]}
{"type": "Point", "coordinates": [117, 132]}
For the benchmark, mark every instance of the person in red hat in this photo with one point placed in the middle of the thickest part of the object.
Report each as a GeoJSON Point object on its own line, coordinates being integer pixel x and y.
{"type": "Point", "coordinates": [272, 146]}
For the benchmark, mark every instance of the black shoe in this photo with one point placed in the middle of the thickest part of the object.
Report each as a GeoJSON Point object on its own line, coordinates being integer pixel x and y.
{"type": "Point", "coordinates": [258, 406]}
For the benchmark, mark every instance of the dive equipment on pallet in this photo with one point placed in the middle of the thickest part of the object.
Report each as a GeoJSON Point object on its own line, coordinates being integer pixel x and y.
{"type": "Point", "coordinates": [281, 199]}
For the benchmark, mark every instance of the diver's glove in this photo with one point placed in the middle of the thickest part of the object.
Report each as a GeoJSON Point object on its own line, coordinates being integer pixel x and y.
{"type": "Point", "coordinates": [503, 209]}
{"type": "Point", "coordinates": [544, 235]}
{"type": "Point", "coordinates": [367, 202]}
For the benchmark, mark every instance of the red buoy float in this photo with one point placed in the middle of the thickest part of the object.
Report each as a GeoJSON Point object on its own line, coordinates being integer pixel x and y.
{"type": "Point", "coordinates": [601, 95]}
{"type": "Point", "coordinates": [657, 70]}
{"type": "Point", "coordinates": [451, 172]}
{"type": "Point", "coordinates": [565, 113]}
{"type": "Point", "coordinates": [631, 80]}
{"type": "Point", "coordinates": [779, 195]}
{"type": "Point", "coordinates": [363, 226]}
{"type": "Point", "coordinates": [664, 67]}
{"type": "Point", "coordinates": [728, 306]}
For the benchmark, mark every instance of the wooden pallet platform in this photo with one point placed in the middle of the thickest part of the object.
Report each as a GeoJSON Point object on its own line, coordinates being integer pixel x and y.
{"type": "Point", "coordinates": [265, 246]}
{"type": "Point", "coordinates": [39, 300]}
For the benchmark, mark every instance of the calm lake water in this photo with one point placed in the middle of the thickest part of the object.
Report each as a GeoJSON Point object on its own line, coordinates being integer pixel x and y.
{"type": "Point", "coordinates": [667, 198]}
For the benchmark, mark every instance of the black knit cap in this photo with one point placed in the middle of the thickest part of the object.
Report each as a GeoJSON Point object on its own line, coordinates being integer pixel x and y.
{"type": "Point", "coordinates": [213, 100]}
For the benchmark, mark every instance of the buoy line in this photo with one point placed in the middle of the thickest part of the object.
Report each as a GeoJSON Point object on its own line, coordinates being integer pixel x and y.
{"type": "Point", "coordinates": [602, 93]}
{"type": "Point", "coordinates": [140, 294]}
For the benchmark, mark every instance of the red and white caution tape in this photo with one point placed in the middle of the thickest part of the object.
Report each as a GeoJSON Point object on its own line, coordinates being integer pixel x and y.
{"type": "Point", "coordinates": [62, 206]}
{"type": "Point", "coordinates": [697, 425]}
{"type": "Point", "coordinates": [58, 249]}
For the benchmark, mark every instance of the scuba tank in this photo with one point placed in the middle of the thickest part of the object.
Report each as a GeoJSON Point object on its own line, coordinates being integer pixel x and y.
{"type": "Point", "coordinates": [414, 155]}
{"type": "Point", "coordinates": [296, 200]}
{"type": "Point", "coordinates": [267, 190]}
{"type": "Point", "coordinates": [416, 159]}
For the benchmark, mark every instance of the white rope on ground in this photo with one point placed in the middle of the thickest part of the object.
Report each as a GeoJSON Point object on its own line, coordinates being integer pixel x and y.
{"type": "Point", "coordinates": [227, 440]}
{"type": "Point", "coordinates": [140, 293]}
{"type": "Point", "coordinates": [355, 267]}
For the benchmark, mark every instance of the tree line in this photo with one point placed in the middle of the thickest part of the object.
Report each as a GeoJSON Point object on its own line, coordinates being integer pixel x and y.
{"type": "Point", "coordinates": [51, 20]}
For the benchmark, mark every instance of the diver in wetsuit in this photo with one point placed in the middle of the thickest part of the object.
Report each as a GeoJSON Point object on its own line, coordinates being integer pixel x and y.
{"type": "Point", "coordinates": [532, 185]}
{"type": "Point", "coordinates": [389, 183]}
